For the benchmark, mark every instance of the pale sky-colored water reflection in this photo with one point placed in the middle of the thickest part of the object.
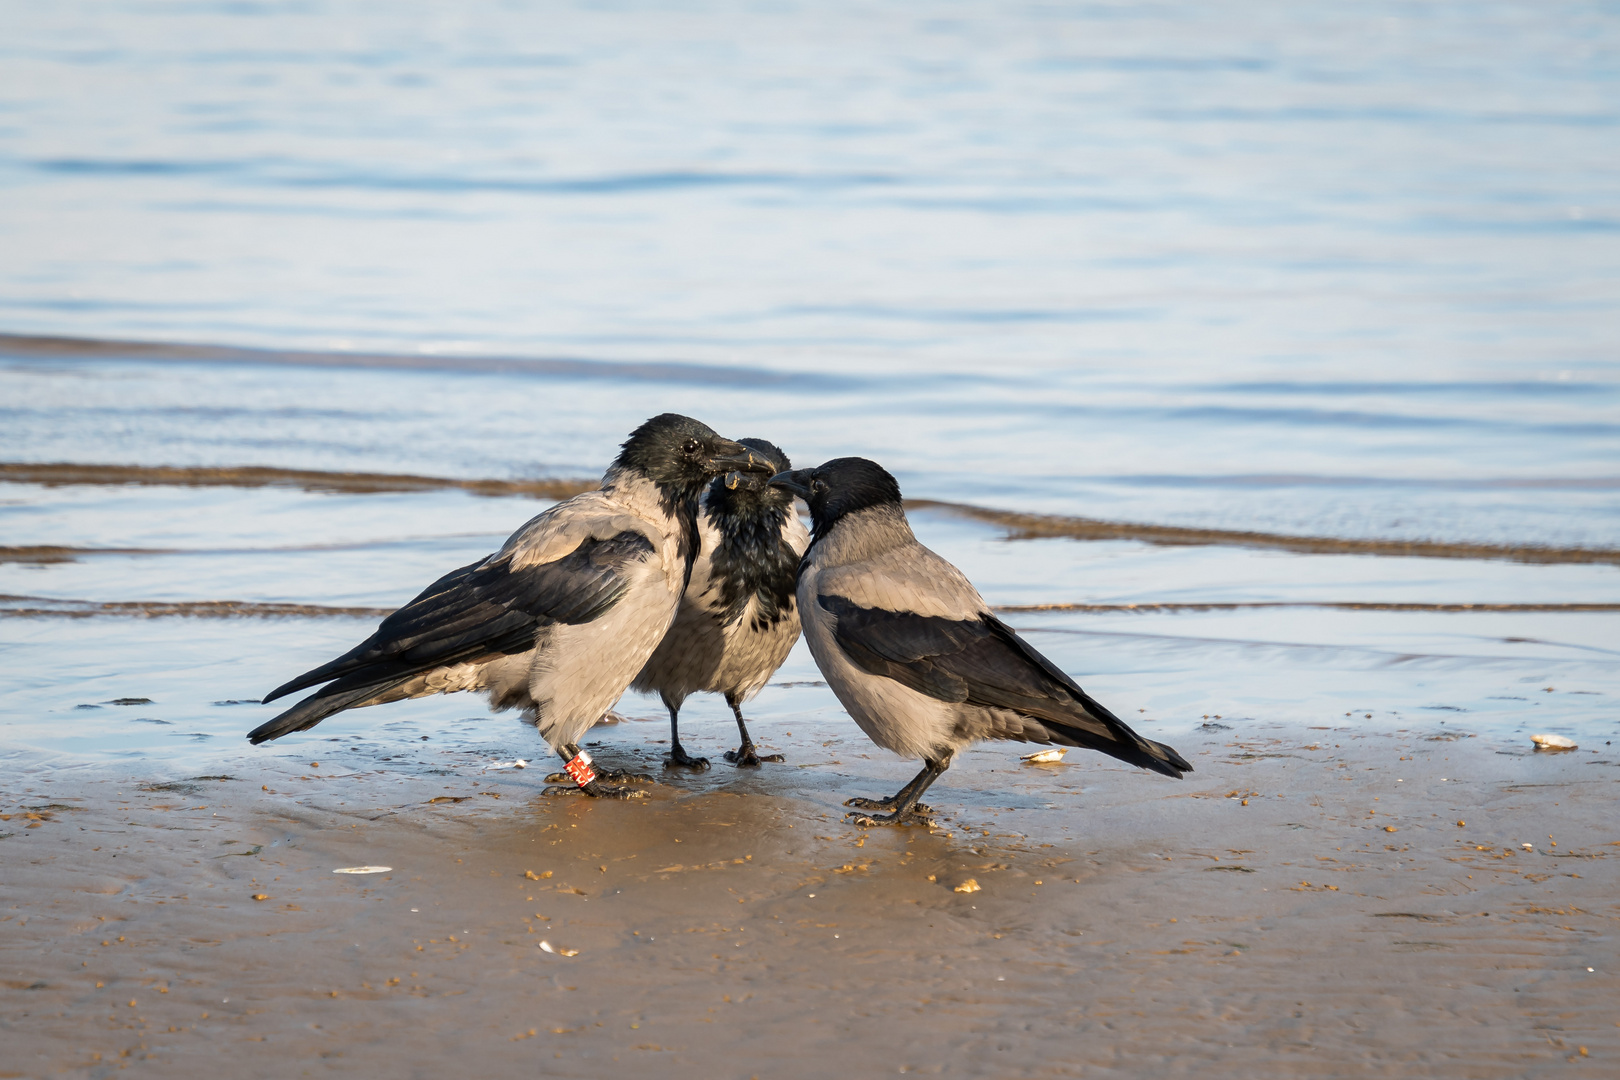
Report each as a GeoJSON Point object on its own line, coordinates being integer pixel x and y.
{"type": "Point", "coordinates": [1341, 272]}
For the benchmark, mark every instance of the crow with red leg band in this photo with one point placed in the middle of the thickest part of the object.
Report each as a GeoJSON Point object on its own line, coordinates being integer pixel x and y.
{"type": "Point", "coordinates": [560, 619]}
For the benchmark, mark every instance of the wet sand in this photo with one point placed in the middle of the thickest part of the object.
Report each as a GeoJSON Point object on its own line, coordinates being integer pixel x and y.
{"type": "Point", "coordinates": [1308, 903]}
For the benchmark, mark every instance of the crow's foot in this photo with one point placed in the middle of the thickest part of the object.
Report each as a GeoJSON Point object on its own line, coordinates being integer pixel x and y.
{"type": "Point", "coordinates": [746, 757]}
{"type": "Point", "coordinates": [618, 776]}
{"type": "Point", "coordinates": [885, 804]}
{"type": "Point", "coordinates": [595, 790]}
{"type": "Point", "coordinates": [679, 759]}
{"type": "Point", "coordinates": [897, 818]}
{"type": "Point", "coordinates": [624, 776]}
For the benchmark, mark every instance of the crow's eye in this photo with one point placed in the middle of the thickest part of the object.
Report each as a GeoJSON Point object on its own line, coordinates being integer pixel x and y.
{"type": "Point", "coordinates": [692, 447]}
{"type": "Point", "coordinates": [818, 486]}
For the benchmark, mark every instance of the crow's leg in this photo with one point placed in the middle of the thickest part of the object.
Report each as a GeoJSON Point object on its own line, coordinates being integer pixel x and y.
{"type": "Point", "coordinates": [907, 811]}
{"type": "Point", "coordinates": [913, 790]}
{"type": "Point", "coordinates": [677, 753]}
{"type": "Point", "coordinates": [745, 755]}
{"type": "Point", "coordinates": [586, 780]}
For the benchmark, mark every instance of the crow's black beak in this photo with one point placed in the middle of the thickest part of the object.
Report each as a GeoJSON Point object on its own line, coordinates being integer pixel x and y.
{"type": "Point", "coordinates": [797, 481]}
{"type": "Point", "coordinates": [735, 457]}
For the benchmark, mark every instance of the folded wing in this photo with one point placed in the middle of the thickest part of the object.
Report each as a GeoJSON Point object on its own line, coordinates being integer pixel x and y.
{"type": "Point", "coordinates": [980, 661]}
{"type": "Point", "coordinates": [485, 610]}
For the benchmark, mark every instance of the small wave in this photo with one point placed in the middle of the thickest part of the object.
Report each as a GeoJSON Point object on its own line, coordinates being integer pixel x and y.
{"type": "Point", "coordinates": [294, 175]}
{"type": "Point", "coordinates": [30, 346]}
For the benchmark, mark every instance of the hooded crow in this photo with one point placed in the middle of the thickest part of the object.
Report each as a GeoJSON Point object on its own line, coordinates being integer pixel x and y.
{"type": "Point", "coordinates": [560, 619]}
{"type": "Point", "coordinates": [738, 620]}
{"type": "Point", "coordinates": [915, 654]}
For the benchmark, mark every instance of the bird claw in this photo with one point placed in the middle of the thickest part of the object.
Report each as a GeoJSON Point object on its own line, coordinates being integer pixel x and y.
{"type": "Point", "coordinates": [885, 804]}
{"type": "Point", "coordinates": [595, 789]}
{"type": "Point", "coordinates": [625, 776]}
{"type": "Point", "coordinates": [746, 757]}
{"type": "Point", "coordinates": [618, 776]}
{"type": "Point", "coordinates": [896, 818]}
{"type": "Point", "coordinates": [679, 758]}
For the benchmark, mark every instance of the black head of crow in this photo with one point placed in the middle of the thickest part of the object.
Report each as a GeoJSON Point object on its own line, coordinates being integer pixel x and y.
{"type": "Point", "coordinates": [737, 620]}
{"type": "Point", "coordinates": [752, 560]}
{"type": "Point", "coordinates": [681, 455]}
{"type": "Point", "coordinates": [839, 487]}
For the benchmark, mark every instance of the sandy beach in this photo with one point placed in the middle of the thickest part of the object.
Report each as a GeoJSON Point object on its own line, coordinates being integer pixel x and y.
{"type": "Point", "coordinates": [1309, 902]}
{"type": "Point", "coordinates": [1256, 363]}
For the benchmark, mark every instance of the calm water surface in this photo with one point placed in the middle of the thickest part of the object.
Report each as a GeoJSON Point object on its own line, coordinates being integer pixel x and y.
{"type": "Point", "coordinates": [1328, 272]}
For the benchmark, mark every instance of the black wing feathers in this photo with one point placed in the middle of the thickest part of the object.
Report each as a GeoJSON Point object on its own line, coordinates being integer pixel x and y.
{"type": "Point", "coordinates": [481, 610]}
{"type": "Point", "coordinates": [982, 661]}
{"type": "Point", "coordinates": [486, 609]}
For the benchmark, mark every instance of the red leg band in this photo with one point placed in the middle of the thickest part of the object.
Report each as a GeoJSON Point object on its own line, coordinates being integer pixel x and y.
{"type": "Point", "coordinates": [580, 769]}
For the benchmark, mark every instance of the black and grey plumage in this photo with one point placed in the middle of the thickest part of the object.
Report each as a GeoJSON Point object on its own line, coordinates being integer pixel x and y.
{"type": "Point", "coordinates": [738, 620]}
{"type": "Point", "coordinates": [914, 653]}
{"type": "Point", "coordinates": [560, 619]}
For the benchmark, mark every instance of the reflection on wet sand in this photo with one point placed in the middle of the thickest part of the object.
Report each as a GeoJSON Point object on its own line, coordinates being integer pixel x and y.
{"type": "Point", "coordinates": [1260, 925]}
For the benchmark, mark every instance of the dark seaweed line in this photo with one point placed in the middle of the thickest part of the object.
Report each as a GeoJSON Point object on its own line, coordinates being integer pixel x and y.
{"type": "Point", "coordinates": [1019, 526]}
{"type": "Point", "coordinates": [1336, 605]}
{"type": "Point", "coordinates": [251, 476]}
{"type": "Point", "coordinates": [34, 607]}
{"type": "Point", "coordinates": [45, 607]}
{"type": "Point", "coordinates": [1022, 526]}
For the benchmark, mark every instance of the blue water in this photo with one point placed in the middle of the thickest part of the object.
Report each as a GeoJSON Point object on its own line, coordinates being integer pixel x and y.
{"type": "Point", "coordinates": [1327, 271]}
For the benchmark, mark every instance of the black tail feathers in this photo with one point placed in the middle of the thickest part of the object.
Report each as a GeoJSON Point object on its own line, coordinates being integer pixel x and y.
{"type": "Point", "coordinates": [311, 711]}
{"type": "Point", "coordinates": [1127, 746]}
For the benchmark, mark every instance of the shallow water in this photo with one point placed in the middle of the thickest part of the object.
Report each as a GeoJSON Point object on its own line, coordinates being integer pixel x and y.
{"type": "Point", "coordinates": [1260, 268]}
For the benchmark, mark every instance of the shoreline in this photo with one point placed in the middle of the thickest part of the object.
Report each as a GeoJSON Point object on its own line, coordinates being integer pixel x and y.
{"type": "Point", "coordinates": [1294, 907]}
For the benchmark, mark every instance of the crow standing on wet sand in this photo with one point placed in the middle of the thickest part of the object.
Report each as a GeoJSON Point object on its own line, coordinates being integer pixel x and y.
{"type": "Point", "coordinates": [914, 653]}
{"type": "Point", "coordinates": [562, 617]}
{"type": "Point", "coordinates": [738, 620]}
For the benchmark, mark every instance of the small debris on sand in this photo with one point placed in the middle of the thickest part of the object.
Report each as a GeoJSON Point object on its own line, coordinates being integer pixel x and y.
{"type": "Point", "coordinates": [968, 886]}
{"type": "Point", "coordinates": [1552, 742]}
{"type": "Point", "coordinates": [1045, 757]}
{"type": "Point", "coordinates": [364, 870]}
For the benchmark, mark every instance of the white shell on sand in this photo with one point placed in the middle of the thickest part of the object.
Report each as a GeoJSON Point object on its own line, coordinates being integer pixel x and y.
{"type": "Point", "coordinates": [1045, 757]}
{"type": "Point", "coordinates": [1552, 742]}
{"type": "Point", "coordinates": [364, 870]}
